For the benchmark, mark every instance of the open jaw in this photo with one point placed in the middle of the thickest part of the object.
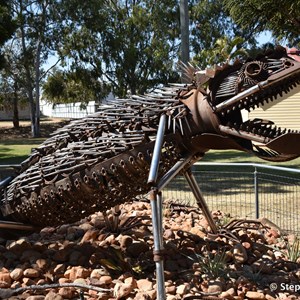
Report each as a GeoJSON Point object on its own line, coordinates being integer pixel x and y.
{"type": "Point", "coordinates": [247, 87]}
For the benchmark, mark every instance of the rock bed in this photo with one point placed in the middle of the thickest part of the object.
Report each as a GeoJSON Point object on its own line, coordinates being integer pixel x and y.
{"type": "Point", "coordinates": [111, 258]}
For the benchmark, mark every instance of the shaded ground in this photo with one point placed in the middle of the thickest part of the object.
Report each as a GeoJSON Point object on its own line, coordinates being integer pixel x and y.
{"type": "Point", "coordinates": [48, 126]}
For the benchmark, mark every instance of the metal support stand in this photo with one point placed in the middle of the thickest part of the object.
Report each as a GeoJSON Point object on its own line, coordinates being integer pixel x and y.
{"type": "Point", "coordinates": [156, 204]}
{"type": "Point", "coordinates": [156, 207]}
{"type": "Point", "coordinates": [200, 200]}
{"type": "Point", "coordinates": [155, 197]}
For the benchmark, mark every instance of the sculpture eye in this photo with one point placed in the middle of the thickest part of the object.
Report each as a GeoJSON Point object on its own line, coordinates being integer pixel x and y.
{"type": "Point", "coordinates": [252, 73]}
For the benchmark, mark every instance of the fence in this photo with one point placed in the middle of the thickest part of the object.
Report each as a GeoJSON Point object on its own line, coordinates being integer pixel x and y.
{"type": "Point", "coordinates": [245, 190]}
{"type": "Point", "coordinates": [242, 190]}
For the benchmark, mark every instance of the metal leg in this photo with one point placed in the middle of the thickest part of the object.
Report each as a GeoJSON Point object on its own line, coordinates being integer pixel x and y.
{"type": "Point", "coordinates": [155, 200]}
{"type": "Point", "coordinates": [156, 209]}
{"type": "Point", "coordinates": [157, 151]}
{"type": "Point", "coordinates": [200, 200]}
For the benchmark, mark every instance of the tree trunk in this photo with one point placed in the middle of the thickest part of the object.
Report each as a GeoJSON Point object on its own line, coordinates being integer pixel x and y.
{"type": "Point", "coordinates": [34, 127]}
{"type": "Point", "coordinates": [16, 122]}
{"type": "Point", "coordinates": [37, 89]}
{"type": "Point", "coordinates": [184, 28]}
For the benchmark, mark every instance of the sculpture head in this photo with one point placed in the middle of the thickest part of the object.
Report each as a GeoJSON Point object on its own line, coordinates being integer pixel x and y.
{"type": "Point", "coordinates": [235, 89]}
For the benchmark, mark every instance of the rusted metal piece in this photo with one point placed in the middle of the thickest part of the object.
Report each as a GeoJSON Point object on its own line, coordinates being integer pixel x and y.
{"type": "Point", "coordinates": [104, 159]}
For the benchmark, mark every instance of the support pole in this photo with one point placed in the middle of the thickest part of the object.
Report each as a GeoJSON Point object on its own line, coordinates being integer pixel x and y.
{"type": "Point", "coordinates": [158, 243]}
{"type": "Point", "coordinates": [157, 151]}
{"type": "Point", "coordinates": [156, 209]}
{"type": "Point", "coordinates": [200, 200]}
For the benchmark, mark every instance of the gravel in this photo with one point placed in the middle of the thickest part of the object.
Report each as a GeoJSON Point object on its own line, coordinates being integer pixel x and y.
{"type": "Point", "coordinates": [111, 257]}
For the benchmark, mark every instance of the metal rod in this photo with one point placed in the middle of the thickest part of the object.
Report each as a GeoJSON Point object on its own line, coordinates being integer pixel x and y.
{"type": "Point", "coordinates": [157, 150]}
{"type": "Point", "coordinates": [256, 194]}
{"type": "Point", "coordinates": [16, 226]}
{"type": "Point", "coordinates": [240, 96]}
{"type": "Point", "coordinates": [249, 165]}
{"type": "Point", "coordinates": [160, 216]}
{"type": "Point", "coordinates": [9, 166]}
{"type": "Point", "coordinates": [244, 134]}
{"type": "Point", "coordinates": [200, 200]}
{"type": "Point", "coordinates": [158, 246]}
{"type": "Point", "coordinates": [5, 182]}
{"type": "Point", "coordinates": [174, 171]}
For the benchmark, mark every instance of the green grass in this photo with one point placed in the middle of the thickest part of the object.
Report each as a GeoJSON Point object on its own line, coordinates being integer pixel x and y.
{"type": "Point", "coordinates": [232, 156]}
{"type": "Point", "coordinates": [17, 150]}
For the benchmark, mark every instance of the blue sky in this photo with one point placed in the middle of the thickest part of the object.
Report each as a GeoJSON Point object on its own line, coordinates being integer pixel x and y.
{"type": "Point", "coordinates": [265, 37]}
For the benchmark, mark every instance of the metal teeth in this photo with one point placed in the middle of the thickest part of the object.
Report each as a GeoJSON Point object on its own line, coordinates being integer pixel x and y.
{"type": "Point", "coordinates": [259, 127]}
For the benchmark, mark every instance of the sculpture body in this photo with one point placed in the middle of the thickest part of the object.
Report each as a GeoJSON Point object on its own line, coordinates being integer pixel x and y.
{"type": "Point", "coordinates": [104, 159]}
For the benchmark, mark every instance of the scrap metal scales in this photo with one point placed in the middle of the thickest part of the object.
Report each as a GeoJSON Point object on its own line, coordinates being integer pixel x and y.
{"type": "Point", "coordinates": [96, 162]}
{"type": "Point", "coordinates": [132, 146]}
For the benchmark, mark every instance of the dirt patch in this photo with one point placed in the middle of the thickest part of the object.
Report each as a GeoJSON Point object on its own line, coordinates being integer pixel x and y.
{"type": "Point", "coordinates": [47, 126]}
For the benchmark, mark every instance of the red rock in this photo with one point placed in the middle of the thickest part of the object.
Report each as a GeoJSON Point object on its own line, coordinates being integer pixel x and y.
{"type": "Point", "coordinates": [19, 245]}
{"type": "Point", "coordinates": [67, 293]}
{"type": "Point", "coordinates": [105, 280]}
{"type": "Point", "coordinates": [82, 272]}
{"type": "Point", "coordinates": [28, 281]}
{"type": "Point", "coordinates": [31, 273]}
{"type": "Point", "coordinates": [62, 255]}
{"type": "Point", "coordinates": [215, 286]}
{"type": "Point", "coordinates": [36, 297]}
{"type": "Point", "coordinates": [181, 289]}
{"type": "Point", "coordinates": [53, 296]}
{"type": "Point", "coordinates": [89, 236]}
{"type": "Point", "coordinates": [122, 290]}
{"type": "Point", "coordinates": [16, 274]}
{"type": "Point", "coordinates": [125, 241]}
{"type": "Point", "coordinates": [255, 295]}
{"type": "Point", "coordinates": [5, 279]}
{"type": "Point", "coordinates": [144, 285]}
{"type": "Point", "coordinates": [59, 269]}
{"type": "Point", "coordinates": [132, 281]}
{"type": "Point", "coordinates": [42, 263]}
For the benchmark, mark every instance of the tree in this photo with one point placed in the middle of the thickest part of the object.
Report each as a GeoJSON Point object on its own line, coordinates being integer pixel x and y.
{"type": "Point", "coordinates": [131, 44]}
{"type": "Point", "coordinates": [281, 18]}
{"type": "Point", "coordinates": [224, 51]}
{"type": "Point", "coordinates": [211, 24]}
{"type": "Point", "coordinates": [12, 92]}
{"type": "Point", "coordinates": [33, 41]}
{"type": "Point", "coordinates": [78, 86]}
{"type": "Point", "coordinates": [7, 25]}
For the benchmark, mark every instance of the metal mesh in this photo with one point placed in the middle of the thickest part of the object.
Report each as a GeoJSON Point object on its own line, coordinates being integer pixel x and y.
{"type": "Point", "coordinates": [245, 192]}
{"type": "Point", "coordinates": [278, 200]}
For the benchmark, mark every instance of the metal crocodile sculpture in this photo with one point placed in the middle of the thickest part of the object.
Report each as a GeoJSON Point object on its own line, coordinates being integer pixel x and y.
{"type": "Point", "coordinates": [102, 160]}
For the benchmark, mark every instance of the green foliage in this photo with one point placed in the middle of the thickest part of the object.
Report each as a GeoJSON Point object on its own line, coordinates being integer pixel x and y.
{"type": "Point", "coordinates": [223, 51]}
{"type": "Point", "coordinates": [78, 86]}
{"type": "Point", "coordinates": [211, 265]}
{"type": "Point", "coordinates": [293, 250]}
{"type": "Point", "coordinates": [281, 18]}
{"type": "Point", "coordinates": [131, 44]}
{"type": "Point", "coordinates": [211, 23]}
{"type": "Point", "coordinates": [7, 26]}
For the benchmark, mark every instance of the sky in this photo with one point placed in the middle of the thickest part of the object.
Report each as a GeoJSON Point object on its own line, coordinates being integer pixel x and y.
{"type": "Point", "coordinates": [265, 37]}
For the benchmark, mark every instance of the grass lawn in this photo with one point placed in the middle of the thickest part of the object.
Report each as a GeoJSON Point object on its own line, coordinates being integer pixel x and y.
{"type": "Point", "coordinates": [16, 144]}
{"type": "Point", "coordinates": [16, 150]}
{"type": "Point", "coordinates": [232, 156]}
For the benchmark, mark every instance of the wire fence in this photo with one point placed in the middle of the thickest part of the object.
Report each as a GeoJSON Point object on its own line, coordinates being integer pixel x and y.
{"type": "Point", "coordinates": [240, 190]}
{"type": "Point", "coordinates": [245, 191]}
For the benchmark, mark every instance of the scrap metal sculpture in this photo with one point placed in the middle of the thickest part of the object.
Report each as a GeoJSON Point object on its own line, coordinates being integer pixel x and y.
{"type": "Point", "coordinates": [132, 146]}
{"type": "Point", "coordinates": [104, 159]}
